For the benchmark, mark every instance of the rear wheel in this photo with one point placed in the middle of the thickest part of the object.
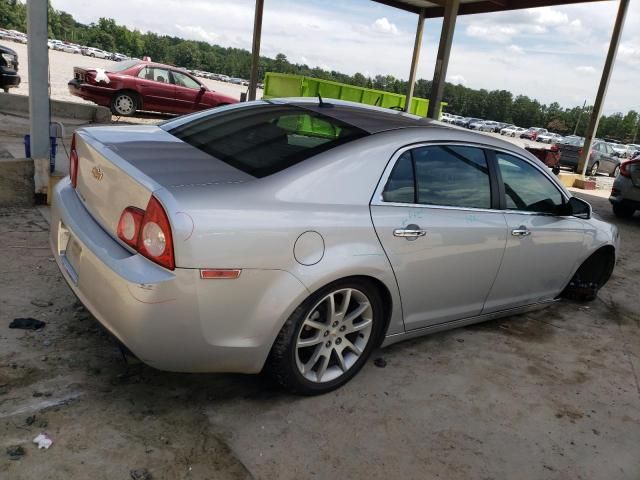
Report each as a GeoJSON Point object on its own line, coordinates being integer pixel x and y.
{"type": "Point", "coordinates": [124, 104]}
{"type": "Point", "coordinates": [594, 169]}
{"type": "Point", "coordinates": [623, 211]}
{"type": "Point", "coordinates": [616, 172]}
{"type": "Point", "coordinates": [328, 338]}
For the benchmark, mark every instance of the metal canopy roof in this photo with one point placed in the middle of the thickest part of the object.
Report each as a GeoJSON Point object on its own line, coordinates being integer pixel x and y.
{"type": "Point", "coordinates": [435, 8]}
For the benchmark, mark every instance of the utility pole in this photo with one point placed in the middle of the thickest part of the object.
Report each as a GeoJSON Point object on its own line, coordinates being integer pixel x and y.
{"type": "Point", "coordinates": [579, 115]}
{"type": "Point", "coordinates": [592, 126]}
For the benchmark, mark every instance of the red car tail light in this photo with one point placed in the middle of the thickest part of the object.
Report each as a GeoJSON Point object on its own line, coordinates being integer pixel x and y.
{"type": "Point", "coordinates": [129, 226]}
{"type": "Point", "coordinates": [73, 162]}
{"type": "Point", "coordinates": [625, 168]}
{"type": "Point", "coordinates": [154, 239]}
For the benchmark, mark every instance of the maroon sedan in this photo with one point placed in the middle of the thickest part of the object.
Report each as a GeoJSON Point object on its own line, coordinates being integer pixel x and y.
{"type": "Point", "coordinates": [127, 87]}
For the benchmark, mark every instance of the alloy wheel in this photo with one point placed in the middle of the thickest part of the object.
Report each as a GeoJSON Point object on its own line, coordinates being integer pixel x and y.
{"type": "Point", "coordinates": [334, 335]}
{"type": "Point", "coordinates": [124, 105]}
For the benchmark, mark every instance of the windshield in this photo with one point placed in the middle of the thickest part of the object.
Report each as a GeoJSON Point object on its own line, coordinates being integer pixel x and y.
{"type": "Point", "coordinates": [264, 139]}
{"type": "Point", "coordinates": [120, 66]}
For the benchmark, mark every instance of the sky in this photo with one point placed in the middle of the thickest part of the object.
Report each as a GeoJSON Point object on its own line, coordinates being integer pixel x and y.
{"type": "Point", "coordinates": [548, 53]}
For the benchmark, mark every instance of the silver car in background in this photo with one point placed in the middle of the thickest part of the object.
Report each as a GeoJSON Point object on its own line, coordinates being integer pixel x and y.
{"type": "Point", "coordinates": [298, 235]}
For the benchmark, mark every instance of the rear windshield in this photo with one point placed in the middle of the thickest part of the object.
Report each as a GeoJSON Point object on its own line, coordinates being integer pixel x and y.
{"type": "Point", "coordinates": [265, 139]}
{"type": "Point", "coordinates": [120, 66]}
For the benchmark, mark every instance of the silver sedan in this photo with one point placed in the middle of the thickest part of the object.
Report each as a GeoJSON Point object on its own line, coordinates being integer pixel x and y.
{"type": "Point", "coordinates": [299, 235]}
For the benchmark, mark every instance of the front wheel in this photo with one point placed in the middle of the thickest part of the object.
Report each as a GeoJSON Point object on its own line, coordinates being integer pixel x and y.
{"type": "Point", "coordinates": [594, 169]}
{"type": "Point", "coordinates": [328, 338]}
{"type": "Point", "coordinates": [124, 104]}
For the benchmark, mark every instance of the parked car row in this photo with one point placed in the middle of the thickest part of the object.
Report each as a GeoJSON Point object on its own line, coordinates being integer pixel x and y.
{"type": "Point", "coordinates": [221, 78]}
{"type": "Point", "coordinates": [87, 51]}
{"type": "Point", "coordinates": [13, 36]}
{"type": "Point", "coordinates": [133, 85]}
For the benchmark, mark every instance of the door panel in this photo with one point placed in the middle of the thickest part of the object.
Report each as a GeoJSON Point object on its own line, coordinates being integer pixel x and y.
{"type": "Point", "coordinates": [188, 94]}
{"type": "Point", "coordinates": [447, 273]}
{"type": "Point", "coordinates": [435, 224]}
{"type": "Point", "coordinates": [156, 90]}
{"type": "Point", "coordinates": [538, 265]}
{"type": "Point", "coordinates": [542, 246]}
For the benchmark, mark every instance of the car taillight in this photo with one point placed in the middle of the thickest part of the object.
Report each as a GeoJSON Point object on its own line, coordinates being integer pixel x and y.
{"type": "Point", "coordinates": [129, 226]}
{"type": "Point", "coordinates": [148, 232]}
{"type": "Point", "coordinates": [155, 241]}
{"type": "Point", "coordinates": [625, 168]}
{"type": "Point", "coordinates": [73, 162]}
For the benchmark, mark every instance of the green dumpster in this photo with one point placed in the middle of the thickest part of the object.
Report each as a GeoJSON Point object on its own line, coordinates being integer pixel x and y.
{"type": "Point", "coordinates": [278, 85]}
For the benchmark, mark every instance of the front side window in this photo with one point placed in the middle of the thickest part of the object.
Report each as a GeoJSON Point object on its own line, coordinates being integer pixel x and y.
{"type": "Point", "coordinates": [444, 175]}
{"type": "Point", "coordinates": [527, 188]}
{"type": "Point", "coordinates": [182, 80]}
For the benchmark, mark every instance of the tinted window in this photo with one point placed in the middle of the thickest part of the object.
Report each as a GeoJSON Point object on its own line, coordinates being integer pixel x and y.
{"type": "Point", "coordinates": [183, 80]}
{"type": "Point", "coordinates": [264, 139]}
{"type": "Point", "coordinates": [444, 175]}
{"type": "Point", "coordinates": [400, 186]}
{"type": "Point", "coordinates": [527, 188]}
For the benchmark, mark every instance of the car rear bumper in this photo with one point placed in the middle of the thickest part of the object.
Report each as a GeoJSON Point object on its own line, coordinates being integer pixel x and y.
{"type": "Point", "coordinates": [93, 93]}
{"type": "Point", "coordinates": [171, 320]}
{"type": "Point", "coordinates": [625, 193]}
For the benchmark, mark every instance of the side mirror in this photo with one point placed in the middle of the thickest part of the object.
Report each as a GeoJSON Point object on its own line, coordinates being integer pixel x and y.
{"type": "Point", "coordinates": [577, 208]}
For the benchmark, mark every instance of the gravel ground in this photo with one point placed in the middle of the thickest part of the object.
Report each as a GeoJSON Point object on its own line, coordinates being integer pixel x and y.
{"type": "Point", "coordinates": [549, 395]}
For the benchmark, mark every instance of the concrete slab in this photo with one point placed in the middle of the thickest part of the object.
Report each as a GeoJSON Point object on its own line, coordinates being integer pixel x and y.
{"type": "Point", "coordinates": [60, 110]}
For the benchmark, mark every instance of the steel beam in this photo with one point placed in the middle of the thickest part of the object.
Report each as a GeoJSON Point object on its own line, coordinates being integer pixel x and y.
{"type": "Point", "coordinates": [38, 61]}
{"type": "Point", "coordinates": [592, 127]}
{"type": "Point", "coordinates": [442, 61]}
{"type": "Point", "coordinates": [255, 50]}
{"type": "Point", "coordinates": [417, 45]}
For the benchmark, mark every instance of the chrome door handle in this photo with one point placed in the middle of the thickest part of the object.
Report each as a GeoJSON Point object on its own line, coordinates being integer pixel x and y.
{"type": "Point", "coordinates": [520, 232]}
{"type": "Point", "coordinates": [409, 232]}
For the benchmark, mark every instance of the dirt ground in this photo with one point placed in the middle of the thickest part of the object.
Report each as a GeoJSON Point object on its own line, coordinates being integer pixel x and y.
{"type": "Point", "coordinates": [548, 395]}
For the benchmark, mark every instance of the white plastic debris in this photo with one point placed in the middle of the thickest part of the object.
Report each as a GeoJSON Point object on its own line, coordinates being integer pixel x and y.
{"type": "Point", "coordinates": [101, 75]}
{"type": "Point", "coordinates": [43, 441]}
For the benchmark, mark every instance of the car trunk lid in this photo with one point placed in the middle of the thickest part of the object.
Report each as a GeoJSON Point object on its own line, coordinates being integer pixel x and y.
{"type": "Point", "coordinates": [121, 167]}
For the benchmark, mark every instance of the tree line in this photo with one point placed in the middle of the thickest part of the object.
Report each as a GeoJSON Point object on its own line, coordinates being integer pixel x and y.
{"type": "Point", "coordinates": [499, 105]}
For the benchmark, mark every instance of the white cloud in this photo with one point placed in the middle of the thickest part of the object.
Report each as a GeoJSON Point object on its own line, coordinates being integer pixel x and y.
{"type": "Point", "coordinates": [629, 52]}
{"type": "Point", "coordinates": [456, 79]}
{"type": "Point", "coordinates": [383, 25]}
{"type": "Point", "coordinates": [515, 49]}
{"type": "Point", "coordinates": [586, 69]}
{"type": "Point", "coordinates": [198, 33]}
{"type": "Point", "coordinates": [492, 33]}
{"type": "Point", "coordinates": [549, 16]}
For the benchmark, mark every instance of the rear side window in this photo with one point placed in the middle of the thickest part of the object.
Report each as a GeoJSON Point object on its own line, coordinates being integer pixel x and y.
{"type": "Point", "coordinates": [265, 139]}
{"type": "Point", "coordinates": [442, 175]}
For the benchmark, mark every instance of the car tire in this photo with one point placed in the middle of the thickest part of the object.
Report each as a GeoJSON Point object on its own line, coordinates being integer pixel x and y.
{"type": "Point", "coordinates": [623, 211]}
{"type": "Point", "coordinates": [594, 169]}
{"type": "Point", "coordinates": [124, 104]}
{"type": "Point", "coordinates": [6, 89]}
{"type": "Point", "coordinates": [616, 172]}
{"type": "Point", "coordinates": [312, 338]}
{"type": "Point", "coordinates": [93, 55]}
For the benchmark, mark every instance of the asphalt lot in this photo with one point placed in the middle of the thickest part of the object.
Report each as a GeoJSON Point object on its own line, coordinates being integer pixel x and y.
{"type": "Point", "coordinates": [548, 395]}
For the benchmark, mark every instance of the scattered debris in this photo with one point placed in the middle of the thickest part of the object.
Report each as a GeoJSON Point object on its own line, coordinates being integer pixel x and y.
{"type": "Point", "coordinates": [141, 474]}
{"type": "Point", "coordinates": [596, 432]}
{"type": "Point", "coordinates": [27, 323]}
{"type": "Point", "coordinates": [43, 441]}
{"type": "Point", "coordinates": [44, 358]}
{"type": "Point", "coordinates": [460, 340]}
{"type": "Point", "coordinates": [41, 303]}
{"type": "Point", "coordinates": [380, 362]}
{"type": "Point", "coordinates": [30, 420]}
{"type": "Point", "coordinates": [15, 452]}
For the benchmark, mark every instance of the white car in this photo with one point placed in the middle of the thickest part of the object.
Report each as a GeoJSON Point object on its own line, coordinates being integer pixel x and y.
{"type": "Point", "coordinates": [68, 48]}
{"type": "Point", "coordinates": [488, 126]}
{"type": "Point", "coordinates": [512, 131]}
{"type": "Point", "coordinates": [96, 53]}
{"type": "Point", "coordinates": [550, 138]}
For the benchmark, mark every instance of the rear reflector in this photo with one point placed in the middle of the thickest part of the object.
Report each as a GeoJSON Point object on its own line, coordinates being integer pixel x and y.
{"type": "Point", "coordinates": [219, 273]}
{"type": "Point", "coordinates": [73, 162]}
